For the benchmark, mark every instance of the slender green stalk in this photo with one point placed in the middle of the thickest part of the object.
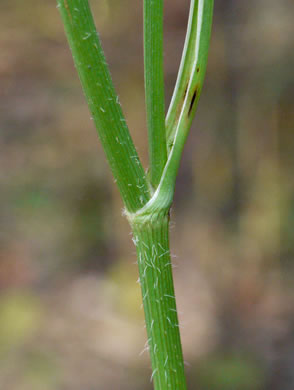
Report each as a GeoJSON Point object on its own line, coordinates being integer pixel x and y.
{"type": "Point", "coordinates": [154, 87]}
{"type": "Point", "coordinates": [192, 69]}
{"type": "Point", "coordinates": [152, 244]}
{"type": "Point", "coordinates": [190, 96]}
{"type": "Point", "coordinates": [103, 102]}
{"type": "Point", "coordinates": [163, 196]}
{"type": "Point", "coordinates": [183, 75]}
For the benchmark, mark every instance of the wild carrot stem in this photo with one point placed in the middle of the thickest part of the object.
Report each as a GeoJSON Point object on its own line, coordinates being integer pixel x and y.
{"type": "Point", "coordinates": [191, 73]}
{"type": "Point", "coordinates": [103, 102]}
{"type": "Point", "coordinates": [151, 237]}
{"type": "Point", "coordinates": [147, 213]}
{"type": "Point", "coordinates": [154, 87]}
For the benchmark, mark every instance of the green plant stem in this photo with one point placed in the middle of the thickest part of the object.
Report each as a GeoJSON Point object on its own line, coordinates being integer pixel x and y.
{"type": "Point", "coordinates": [151, 237]}
{"type": "Point", "coordinates": [162, 197]}
{"type": "Point", "coordinates": [147, 213]}
{"type": "Point", "coordinates": [154, 87]}
{"type": "Point", "coordinates": [183, 75]}
{"type": "Point", "coordinates": [103, 102]}
{"type": "Point", "coordinates": [184, 102]}
{"type": "Point", "coordinates": [191, 73]}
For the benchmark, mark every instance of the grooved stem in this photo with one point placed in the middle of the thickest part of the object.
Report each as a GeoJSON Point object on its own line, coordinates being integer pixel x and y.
{"type": "Point", "coordinates": [151, 237]}
{"type": "Point", "coordinates": [146, 210]}
{"type": "Point", "coordinates": [104, 103]}
{"type": "Point", "coordinates": [154, 87]}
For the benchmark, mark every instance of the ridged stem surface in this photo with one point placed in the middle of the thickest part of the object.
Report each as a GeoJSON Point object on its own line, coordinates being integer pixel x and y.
{"type": "Point", "coordinates": [154, 87]}
{"type": "Point", "coordinates": [151, 237]}
{"type": "Point", "coordinates": [147, 211]}
{"type": "Point", "coordinates": [103, 102]}
{"type": "Point", "coordinates": [191, 73]}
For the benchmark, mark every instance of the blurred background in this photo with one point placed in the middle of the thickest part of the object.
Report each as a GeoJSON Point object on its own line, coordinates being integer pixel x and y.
{"type": "Point", "coordinates": [70, 316]}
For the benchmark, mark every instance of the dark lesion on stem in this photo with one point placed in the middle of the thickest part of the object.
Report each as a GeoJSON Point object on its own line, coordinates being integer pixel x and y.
{"type": "Point", "coordinates": [185, 92]}
{"type": "Point", "coordinates": [193, 100]}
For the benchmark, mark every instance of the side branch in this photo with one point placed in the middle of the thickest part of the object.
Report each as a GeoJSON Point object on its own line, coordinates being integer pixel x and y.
{"type": "Point", "coordinates": [104, 103]}
{"type": "Point", "coordinates": [192, 69]}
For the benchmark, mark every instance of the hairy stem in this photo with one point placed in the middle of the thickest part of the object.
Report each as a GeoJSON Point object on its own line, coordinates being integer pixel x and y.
{"type": "Point", "coordinates": [147, 213]}
{"type": "Point", "coordinates": [151, 237]}
{"type": "Point", "coordinates": [103, 102]}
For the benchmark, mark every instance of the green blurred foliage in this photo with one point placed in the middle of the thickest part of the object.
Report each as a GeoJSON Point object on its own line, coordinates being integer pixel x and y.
{"type": "Point", "coordinates": [127, 294]}
{"type": "Point", "coordinates": [40, 372]}
{"type": "Point", "coordinates": [229, 372]}
{"type": "Point", "coordinates": [20, 315]}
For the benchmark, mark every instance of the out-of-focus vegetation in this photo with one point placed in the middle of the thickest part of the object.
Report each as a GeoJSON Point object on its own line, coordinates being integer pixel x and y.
{"type": "Point", "coordinates": [70, 313]}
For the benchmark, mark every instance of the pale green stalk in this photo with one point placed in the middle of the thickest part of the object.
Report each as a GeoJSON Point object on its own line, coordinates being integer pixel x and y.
{"type": "Point", "coordinates": [187, 105]}
{"type": "Point", "coordinates": [192, 70]}
{"type": "Point", "coordinates": [183, 75]}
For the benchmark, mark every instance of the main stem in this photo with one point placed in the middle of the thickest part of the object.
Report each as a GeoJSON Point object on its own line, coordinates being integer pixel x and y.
{"type": "Point", "coordinates": [151, 237]}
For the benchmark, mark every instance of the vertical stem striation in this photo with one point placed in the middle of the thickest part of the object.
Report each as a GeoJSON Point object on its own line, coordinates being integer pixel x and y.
{"type": "Point", "coordinates": [191, 73]}
{"type": "Point", "coordinates": [154, 87]}
{"type": "Point", "coordinates": [184, 74]}
{"type": "Point", "coordinates": [147, 215]}
{"type": "Point", "coordinates": [151, 237]}
{"type": "Point", "coordinates": [103, 102]}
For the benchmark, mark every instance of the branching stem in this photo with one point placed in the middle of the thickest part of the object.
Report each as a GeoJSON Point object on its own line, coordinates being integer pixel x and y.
{"type": "Point", "coordinates": [147, 211]}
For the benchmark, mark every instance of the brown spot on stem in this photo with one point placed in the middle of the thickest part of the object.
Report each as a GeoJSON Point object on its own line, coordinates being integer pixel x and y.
{"type": "Point", "coordinates": [185, 92]}
{"type": "Point", "coordinates": [193, 100]}
{"type": "Point", "coordinates": [198, 69]}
